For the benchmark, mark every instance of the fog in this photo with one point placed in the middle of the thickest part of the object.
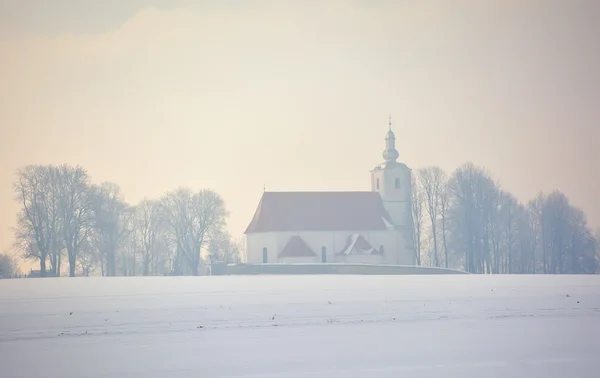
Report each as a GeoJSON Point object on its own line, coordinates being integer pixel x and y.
{"type": "Point", "coordinates": [296, 95]}
{"type": "Point", "coordinates": [164, 138]}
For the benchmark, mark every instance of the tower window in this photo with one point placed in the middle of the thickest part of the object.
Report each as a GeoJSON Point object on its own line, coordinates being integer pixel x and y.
{"type": "Point", "coordinates": [323, 255]}
{"type": "Point", "coordinates": [397, 183]}
{"type": "Point", "coordinates": [265, 256]}
{"type": "Point", "coordinates": [377, 184]}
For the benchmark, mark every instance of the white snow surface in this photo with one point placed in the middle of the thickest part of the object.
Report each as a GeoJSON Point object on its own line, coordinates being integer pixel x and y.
{"type": "Point", "coordinates": [301, 326]}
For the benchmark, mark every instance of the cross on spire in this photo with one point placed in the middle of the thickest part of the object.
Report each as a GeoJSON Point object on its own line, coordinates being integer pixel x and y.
{"type": "Point", "coordinates": [390, 154]}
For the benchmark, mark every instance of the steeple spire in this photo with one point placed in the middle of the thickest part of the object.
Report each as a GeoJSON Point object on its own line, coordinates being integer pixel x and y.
{"type": "Point", "coordinates": [390, 154]}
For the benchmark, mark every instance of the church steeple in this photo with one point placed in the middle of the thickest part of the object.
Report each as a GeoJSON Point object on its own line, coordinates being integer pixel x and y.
{"type": "Point", "coordinates": [390, 154]}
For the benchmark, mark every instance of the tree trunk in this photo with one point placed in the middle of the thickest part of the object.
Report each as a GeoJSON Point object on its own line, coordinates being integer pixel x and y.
{"type": "Point", "coordinates": [418, 251]}
{"type": "Point", "coordinates": [59, 258]}
{"type": "Point", "coordinates": [71, 267]}
{"type": "Point", "coordinates": [444, 241]}
{"type": "Point", "coordinates": [133, 262]}
{"type": "Point", "coordinates": [146, 264]}
{"type": "Point", "coordinates": [509, 239]}
{"type": "Point", "coordinates": [72, 261]}
{"type": "Point", "coordinates": [52, 256]}
{"type": "Point", "coordinates": [43, 266]}
{"type": "Point", "coordinates": [435, 246]}
{"type": "Point", "coordinates": [110, 263]}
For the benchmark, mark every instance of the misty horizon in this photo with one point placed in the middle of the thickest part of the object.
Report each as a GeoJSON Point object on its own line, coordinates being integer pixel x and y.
{"type": "Point", "coordinates": [161, 94]}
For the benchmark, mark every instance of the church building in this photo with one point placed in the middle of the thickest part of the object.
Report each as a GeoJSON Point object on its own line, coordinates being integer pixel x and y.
{"type": "Point", "coordinates": [366, 227]}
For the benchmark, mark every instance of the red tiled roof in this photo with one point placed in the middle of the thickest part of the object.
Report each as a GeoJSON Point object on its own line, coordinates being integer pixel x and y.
{"type": "Point", "coordinates": [319, 211]}
{"type": "Point", "coordinates": [297, 247]}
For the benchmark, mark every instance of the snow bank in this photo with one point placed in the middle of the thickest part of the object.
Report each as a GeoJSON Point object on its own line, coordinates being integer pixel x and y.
{"type": "Point", "coordinates": [298, 326]}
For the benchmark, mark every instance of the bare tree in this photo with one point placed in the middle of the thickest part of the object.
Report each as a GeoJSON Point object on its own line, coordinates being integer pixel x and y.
{"type": "Point", "coordinates": [89, 258]}
{"type": "Point", "coordinates": [222, 248]}
{"type": "Point", "coordinates": [9, 267]}
{"type": "Point", "coordinates": [568, 239]}
{"type": "Point", "coordinates": [75, 211]}
{"type": "Point", "coordinates": [597, 239]}
{"type": "Point", "coordinates": [131, 247]}
{"type": "Point", "coordinates": [555, 217]}
{"type": "Point", "coordinates": [509, 207]}
{"type": "Point", "coordinates": [581, 246]}
{"type": "Point", "coordinates": [149, 226]}
{"type": "Point", "coordinates": [192, 219]}
{"type": "Point", "coordinates": [417, 202]}
{"type": "Point", "coordinates": [503, 230]}
{"type": "Point", "coordinates": [432, 181]}
{"type": "Point", "coordinates": [38, 221]}
{"type": "Point", "coordinates": [444, 205]}
{"type": "Point", "coordinates": [475, 201]}
{"type": "Point", "coordinates": [524, 244]}
{"type": "Point", "coordinates": [535, 209]}
{"type": "Point", "coordinates": [111, 222]}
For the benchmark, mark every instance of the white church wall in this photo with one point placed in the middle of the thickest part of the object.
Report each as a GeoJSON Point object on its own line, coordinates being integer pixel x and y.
{"type": "Point", "coordinates": [333, 242]}
{"type": "Point", "coordinates": [255, 243]}
{"type": "Point", "coordinates": [396, 200]}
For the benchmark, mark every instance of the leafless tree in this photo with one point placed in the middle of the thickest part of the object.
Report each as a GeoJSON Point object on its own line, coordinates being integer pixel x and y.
{"type": "Point", "coordinates": [222, 248]}
{"type": "Point", "coordinates": [500, 232]}
{"type": "Point", "coordinates": [74, 203]}
{"type": "Point", "coordinates": [37, 222]}
{"type": "Point", "coordinates": [535, 209]}
{"type": "Point", "coordinates": [192, 219]}
{"type": "Point", "coordinates": [569, 242]}
{"type": "Point", "coordinates": [9, 267]}
{"type": "Point", "coordinates": [475, 201]}
{"type": "Point", "coordinates": [432, 181]}
{"type": "Point", "coordinates": [417, 201]}
{"type": "Point", "coordinates": [444, 205]}
{"type": "Point", "coordinates": [89, 258]}
{"type": "Point", "coordinates": [149, 227]}
{"type": "Point", "coordinates": [111, 223]}
{"type": "Point", "coordinates": [509, 207]}
{"type": "Point", "coordinates": [555, 218]}
{"type": "Point", "coordinates": [597, 240]}
{"type": "Point", "coordinates": [523, 242]}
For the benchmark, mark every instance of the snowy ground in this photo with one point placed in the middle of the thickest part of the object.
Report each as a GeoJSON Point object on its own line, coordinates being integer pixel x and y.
{"type": "Point", "coordinates": [301, 326]}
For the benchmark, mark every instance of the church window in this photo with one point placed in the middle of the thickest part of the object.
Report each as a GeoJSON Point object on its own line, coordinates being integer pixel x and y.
{"type": "Point", "coordinates": [265, 256]}
{"type": "Point", "coordinates": [381, 249]}
{"type": "Point", "coordinates": [397, 183]}
{"type": "Point", "coordinates": [377, 184]}
{"type": "Point", "coordinates": [323, 255]}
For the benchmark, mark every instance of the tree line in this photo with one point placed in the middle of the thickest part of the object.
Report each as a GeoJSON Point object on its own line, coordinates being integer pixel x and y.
{"type": "Point", "coordinates": [467, 221]}
{"type": "Point", "coordinates": [464, 220]}
{"type": "Point", "coordinates": [67, 219]}
{"type": "Point", "coordinates": [9, 267]}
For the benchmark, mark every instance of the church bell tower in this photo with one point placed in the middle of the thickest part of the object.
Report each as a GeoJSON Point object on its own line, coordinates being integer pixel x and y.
{"type": "Point", "coordinates": [392, 180]}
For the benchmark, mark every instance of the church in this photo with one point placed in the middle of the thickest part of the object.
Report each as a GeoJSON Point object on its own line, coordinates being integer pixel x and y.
{"type": "Point", "coordinates": [366, 227]}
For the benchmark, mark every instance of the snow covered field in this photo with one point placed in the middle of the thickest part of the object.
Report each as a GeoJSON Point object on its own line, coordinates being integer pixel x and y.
{"type": "Point", "coordinates": [301, 326]}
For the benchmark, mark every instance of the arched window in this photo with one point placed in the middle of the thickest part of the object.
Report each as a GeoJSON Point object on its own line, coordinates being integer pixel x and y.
{"type": "Point", "coordinates": [397, 183]}
{"type": "Point", "coordinates": [381, 249]}
{"type": "Point", "coordinates": [323, 254]}
{"type": "Point", "coordinates": [265, 256]}
{"type": "Point", "coordinates": [377, 184]}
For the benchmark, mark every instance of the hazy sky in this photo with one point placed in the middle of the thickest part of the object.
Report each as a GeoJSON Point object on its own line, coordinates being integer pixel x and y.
{"type": "Point", "coordinates": [231, 95]}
